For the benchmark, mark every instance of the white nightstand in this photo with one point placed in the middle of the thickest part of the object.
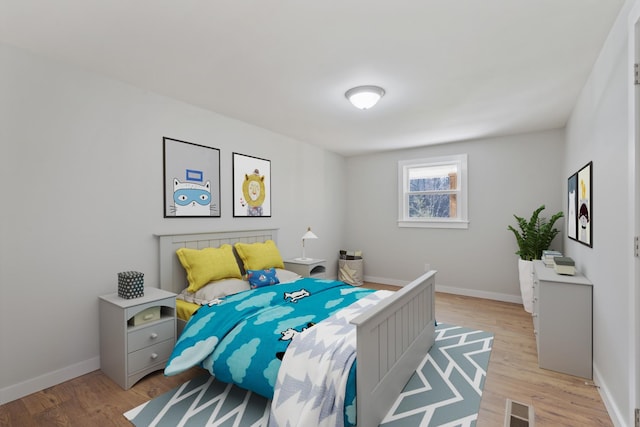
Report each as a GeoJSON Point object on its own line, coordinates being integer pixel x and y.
{"type": "Point", "coordinates": [128, 352]}
{"type": "Point", "coordinates": [307, 267]}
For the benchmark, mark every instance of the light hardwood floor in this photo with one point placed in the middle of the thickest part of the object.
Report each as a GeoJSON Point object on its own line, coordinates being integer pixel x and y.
{"type": "Point", "coordinates": [558, 399]}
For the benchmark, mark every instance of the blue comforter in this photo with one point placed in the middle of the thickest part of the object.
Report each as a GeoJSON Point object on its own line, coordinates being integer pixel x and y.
{"type": "Point", "coordinates": [242, 339]}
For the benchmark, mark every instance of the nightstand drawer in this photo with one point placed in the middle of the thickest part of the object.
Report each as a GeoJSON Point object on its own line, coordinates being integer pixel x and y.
{"type": "Point", "coordinates": [150, 335]}
{"type": "Point", "coordinates": [149, 356]}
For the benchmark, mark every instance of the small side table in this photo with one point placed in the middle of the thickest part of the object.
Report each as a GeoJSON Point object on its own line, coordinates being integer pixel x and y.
{"type": "Point", "coordinates": [129, 350]}
{"type": "Point", "coordinates": [308, 267]}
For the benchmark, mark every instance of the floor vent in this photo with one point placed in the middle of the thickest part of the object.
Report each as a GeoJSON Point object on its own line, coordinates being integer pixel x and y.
{"type": "Point", "coordinates": [518, 415]}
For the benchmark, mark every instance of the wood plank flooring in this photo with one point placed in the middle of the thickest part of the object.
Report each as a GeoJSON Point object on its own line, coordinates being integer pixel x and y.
{"type": "Point", "coordinates": [558, 399]}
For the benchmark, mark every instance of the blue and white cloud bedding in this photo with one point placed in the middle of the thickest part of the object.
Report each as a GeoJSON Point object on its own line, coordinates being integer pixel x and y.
{"type": "Point", "coordinates": [242, 340]}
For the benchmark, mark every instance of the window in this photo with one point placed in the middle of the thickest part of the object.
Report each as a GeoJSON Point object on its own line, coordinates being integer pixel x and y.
{"type": "Point", "coordinates": [433, 192]}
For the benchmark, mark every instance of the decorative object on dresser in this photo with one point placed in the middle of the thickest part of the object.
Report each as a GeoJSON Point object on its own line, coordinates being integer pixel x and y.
{"type": "Point", "coordinates": [136, 335]}
{"type": "Point", "coordinates": [191, 179]}
{"type": "Point", "coordinates": [308, 267]}
{"type": "Point", "coordinates": [548, 256]}
{"type": "Point", "coordinates": [533, 237]}
{"type": "Point", "coordinates": [564, 265]}
{"type": "Point", "coordinates": [562, 321]}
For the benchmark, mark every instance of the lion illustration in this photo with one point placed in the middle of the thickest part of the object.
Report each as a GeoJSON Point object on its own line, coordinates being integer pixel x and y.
{"type": "Point", "coordinates": [254, 192]}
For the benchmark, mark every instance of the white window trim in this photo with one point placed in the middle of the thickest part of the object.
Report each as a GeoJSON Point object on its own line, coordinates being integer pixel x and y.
{"type": "Point", "coordinates": [405, 221]}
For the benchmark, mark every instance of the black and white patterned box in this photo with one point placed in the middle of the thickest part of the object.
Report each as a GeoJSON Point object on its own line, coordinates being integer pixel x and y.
{"type": "Point", "coordinates": [130, 284]}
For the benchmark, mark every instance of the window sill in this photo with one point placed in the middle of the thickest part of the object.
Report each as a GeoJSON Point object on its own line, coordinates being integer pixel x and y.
{"type": "Point", "coordinates": [457, 224]}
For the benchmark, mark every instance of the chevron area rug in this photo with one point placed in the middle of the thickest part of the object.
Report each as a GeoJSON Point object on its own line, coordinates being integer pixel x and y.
{"type": "Point", "coordinates": [445, 390]}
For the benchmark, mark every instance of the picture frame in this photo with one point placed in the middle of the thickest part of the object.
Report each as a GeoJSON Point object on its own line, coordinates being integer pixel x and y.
{"type": "Point", "coordinates": [191, 180]}
{"type": "Point", "coordinates": [572, 207]}
{"type": "Point", "coordinates": [251, 186]}
{"type": "Point", "coordinates": [584, 207]}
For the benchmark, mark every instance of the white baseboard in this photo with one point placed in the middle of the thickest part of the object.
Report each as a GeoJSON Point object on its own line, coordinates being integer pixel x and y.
{"type": "Point", "coordinates": [617, 418]}
{"type": "Point", "coordinates": [17, 391]}
{"type": "Point", "coordinates": [452, 290]}
{"type": "Point", "coordinates": [479, 294]}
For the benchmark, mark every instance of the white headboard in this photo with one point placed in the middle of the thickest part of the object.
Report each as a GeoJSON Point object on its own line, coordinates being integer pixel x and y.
{"type": "Point", "coordinates": [172, 275]}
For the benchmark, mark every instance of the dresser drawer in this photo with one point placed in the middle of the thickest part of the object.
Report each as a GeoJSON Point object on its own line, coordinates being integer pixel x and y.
{"type": "Point", "coordinates": [141, 338]}
{"type": "Point", "coordinates": [149, 356]}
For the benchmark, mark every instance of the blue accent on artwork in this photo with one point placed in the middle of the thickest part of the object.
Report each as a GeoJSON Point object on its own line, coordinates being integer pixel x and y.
{"type": "Point", "coordinates": [194, 175]}
{"type": "Point", "coordinates": [185, 196]}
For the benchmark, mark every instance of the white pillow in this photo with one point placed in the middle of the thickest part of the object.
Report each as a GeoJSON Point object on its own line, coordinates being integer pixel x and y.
{"type": "Point", "coordinates": [286, 276]}
{"type": "Point", "coordinates": [224, 287]}
{"type": "Point", "coordinates": [213, 290]}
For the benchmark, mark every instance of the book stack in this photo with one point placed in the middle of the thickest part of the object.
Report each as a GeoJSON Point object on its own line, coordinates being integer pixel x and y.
{"type": "Point", "coordinates": [565, 265]}
{"type": "Point", "coordinates": [548, 256]}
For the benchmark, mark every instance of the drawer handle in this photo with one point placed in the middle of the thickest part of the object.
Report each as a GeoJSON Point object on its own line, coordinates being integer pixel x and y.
{"type": "Point", "coordinates": [154, 355]}
{"type": "Point", "coordinates": [148, 316]}
{"type": "Point", "coordinates": [153, 336]}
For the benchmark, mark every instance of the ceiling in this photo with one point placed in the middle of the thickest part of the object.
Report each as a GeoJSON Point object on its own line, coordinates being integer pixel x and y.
{"type": "Point", "coordinates": [452, 69]}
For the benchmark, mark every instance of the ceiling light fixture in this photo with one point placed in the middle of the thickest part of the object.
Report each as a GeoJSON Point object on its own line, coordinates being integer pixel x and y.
{"type": "Point", "coordinates": [364, 97]}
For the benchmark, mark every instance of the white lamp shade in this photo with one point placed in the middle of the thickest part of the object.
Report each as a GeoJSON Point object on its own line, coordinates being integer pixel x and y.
{"type": "Point", "coordinates": [364, 97]}
{"type": "Point", "coordinates": [309, 235]}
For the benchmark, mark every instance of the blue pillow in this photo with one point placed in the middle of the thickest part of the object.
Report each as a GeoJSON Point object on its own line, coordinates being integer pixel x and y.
{"type": "Point", "coordinates": [260, 278]}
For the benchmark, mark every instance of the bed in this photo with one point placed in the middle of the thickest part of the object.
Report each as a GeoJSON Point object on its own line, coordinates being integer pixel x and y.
{"type": "Point", "coordinates": [393, 336]}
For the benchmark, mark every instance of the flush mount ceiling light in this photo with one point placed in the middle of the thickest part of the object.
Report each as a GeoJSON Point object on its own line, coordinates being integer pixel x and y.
{"type": "Point", "coordinates": [364, 97]}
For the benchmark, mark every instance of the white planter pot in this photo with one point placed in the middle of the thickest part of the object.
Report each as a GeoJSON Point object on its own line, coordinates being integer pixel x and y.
{"type": "Point", "coordinates": [525, 271]}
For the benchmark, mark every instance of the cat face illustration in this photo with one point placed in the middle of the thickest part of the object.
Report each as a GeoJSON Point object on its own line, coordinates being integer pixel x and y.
{"type": "Point", "coordinates": [191, 198]}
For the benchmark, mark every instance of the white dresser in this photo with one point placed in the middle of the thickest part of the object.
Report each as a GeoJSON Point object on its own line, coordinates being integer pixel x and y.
{"type": "Point", "coordinates": [562, 321]}
{"type": "Point", "coordinates": [131, 346]}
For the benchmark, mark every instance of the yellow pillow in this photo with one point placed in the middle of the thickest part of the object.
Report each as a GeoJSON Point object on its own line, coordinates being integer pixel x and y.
{"type": "Point", "coordinates": [208, 264]}
{"type": "Point", "coordinates": [259, 256]}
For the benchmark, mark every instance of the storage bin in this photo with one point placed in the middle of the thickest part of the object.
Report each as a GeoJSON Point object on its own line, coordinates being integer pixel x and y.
{"type": "Point", "coordinates": [145, 316]}
{"type": "Point", "coordinates": [130, 284]}
{"type": "Point", "coordinates": [351, 271]}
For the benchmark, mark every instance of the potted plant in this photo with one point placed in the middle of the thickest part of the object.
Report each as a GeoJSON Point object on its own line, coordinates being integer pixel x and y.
{"type": "Point", "coordinates": [534, 236]}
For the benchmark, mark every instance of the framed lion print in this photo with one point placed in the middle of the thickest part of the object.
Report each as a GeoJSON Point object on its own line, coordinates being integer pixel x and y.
{"type": "Point", "coordinates": [251, 186]}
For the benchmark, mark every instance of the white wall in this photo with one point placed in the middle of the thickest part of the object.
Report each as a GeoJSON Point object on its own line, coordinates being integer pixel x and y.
{"type": "Point", "coordinates": [598, 132]}
{"type": "Point", "coordinates": [507, 175]}
{"type": "Point", "coordinates": [82, 199]}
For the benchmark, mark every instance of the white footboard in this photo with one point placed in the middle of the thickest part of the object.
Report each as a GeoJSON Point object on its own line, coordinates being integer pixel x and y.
{"type": "Point", "coordinates": [393, 338]}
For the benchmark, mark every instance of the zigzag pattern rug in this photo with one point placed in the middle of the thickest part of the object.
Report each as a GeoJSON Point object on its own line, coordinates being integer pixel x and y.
{"type": "Point", "coordinates": [445, 390]}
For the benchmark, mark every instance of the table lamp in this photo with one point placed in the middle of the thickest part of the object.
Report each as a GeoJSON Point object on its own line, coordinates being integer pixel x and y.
{"type": "Point", "coordinates": [308, 235]}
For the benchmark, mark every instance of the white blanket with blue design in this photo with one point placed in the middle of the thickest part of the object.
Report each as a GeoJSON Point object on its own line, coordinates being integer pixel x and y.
{"type": "Point", "coordinates": [317, 396]}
